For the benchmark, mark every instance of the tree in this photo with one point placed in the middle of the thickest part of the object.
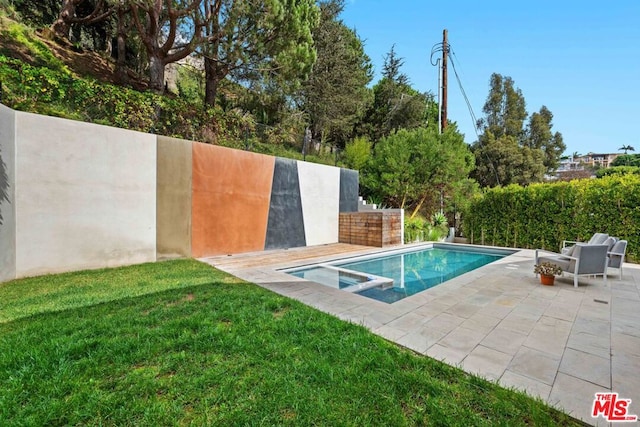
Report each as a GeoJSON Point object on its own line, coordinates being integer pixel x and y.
{"type": "Point", "coordinates": [506, 152]}
{"type": "Point", "coordinates": [100, 11]}
{"type": "Point", "coordinates": [170, 30]}
{"type": "Point", "coordinates": [627, 148]}
{"type": "Point", "coordinates": [335, 96]}
{"type": "Point", "coordinates": [258, 40]}
{"type": "Point", "coordinates": [396, 104]}
{"type": "Point", "coordinates": [505, 108]}
{"type": "Point", "coordinates": [539, 136]}
{"type": "Point", "coordinates": [410, 168]}
{"type": "Point", "coordinates": [627, 160]}
{"type": "Point", "coordinates": [502, 161]}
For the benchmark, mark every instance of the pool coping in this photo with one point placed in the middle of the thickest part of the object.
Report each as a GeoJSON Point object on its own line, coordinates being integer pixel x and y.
{"type": "Point", "coordinates": [559, 343]}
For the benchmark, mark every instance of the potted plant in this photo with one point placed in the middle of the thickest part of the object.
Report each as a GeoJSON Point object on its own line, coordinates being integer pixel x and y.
{"type": "Point", "coordinates": [547, 272]}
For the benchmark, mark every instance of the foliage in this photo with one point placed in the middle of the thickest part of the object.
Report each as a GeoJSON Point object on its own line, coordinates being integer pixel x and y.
{"type": "Point", "coordinates": [543, 215]}
{"type": "Point", "coordinates": [627, 160]}
{"type": "Point", "coordinates": [415, 229]}
{"type": "Point", "coordinates": [396, 105]}
{"type": "Point", "coordinates": [267, 45]}
{"type": "Point", "coordinates": [547, 269]}
{"type": "Point", "coordinates": [419, 229]}
{"type": "Point", "coordinates": [357, 153]}
{"type": "Point", "coordinates": [502, 161]}
{"type": "Point", "coordinates": [540, 136]}
{"type": "Point", "coordinates": [507, 152]}
{"type": "Point", "coordinates": [617, 170]}
{"type": "Point", "coordinates": [409, 168]}
{"type": "Point", "coordinates": [459, 198]}
{"type": "Point", "coordinates": [335, 96]}
{"type": "Point", "coordinates": [180, 343]}
{"type": "Point", "coordinates": [36, 51]}
{"type": "Point", "coordinates": [39, 13]}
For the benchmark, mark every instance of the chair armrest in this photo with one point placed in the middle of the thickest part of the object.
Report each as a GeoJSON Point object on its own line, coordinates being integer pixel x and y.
{"type": "Point", "coordinates": [553, 254]}
{"type": "Point", "coordinates": [564, 242]}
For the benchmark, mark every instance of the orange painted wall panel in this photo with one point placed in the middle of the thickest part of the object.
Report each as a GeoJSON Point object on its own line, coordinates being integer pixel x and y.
{"type": "Point", "coordinates": [230, 201]}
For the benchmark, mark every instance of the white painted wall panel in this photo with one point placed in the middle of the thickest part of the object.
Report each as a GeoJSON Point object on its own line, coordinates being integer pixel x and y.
{"type": "Point", "coordinates": [7, 195]}
{"type": "Point", "coordinates": [320, 194]}
{"type": "Point", "coordinates": [86, 195]}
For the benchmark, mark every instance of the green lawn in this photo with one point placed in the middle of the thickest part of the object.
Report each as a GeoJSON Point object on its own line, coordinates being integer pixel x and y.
{"type": "Point", "coordinates": [180, 343]}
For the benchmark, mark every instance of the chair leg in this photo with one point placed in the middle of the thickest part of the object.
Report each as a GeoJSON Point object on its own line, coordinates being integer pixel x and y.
{"type": "Point", "coordinates": [575, 280]}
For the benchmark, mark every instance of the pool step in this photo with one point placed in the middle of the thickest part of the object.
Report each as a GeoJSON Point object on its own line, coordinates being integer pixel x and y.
{"type": "Point", "coordinates": [367, 281]}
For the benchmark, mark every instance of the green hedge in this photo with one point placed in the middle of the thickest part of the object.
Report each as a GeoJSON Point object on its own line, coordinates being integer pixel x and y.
{"type": "Point", "coordinates": [543, 215]}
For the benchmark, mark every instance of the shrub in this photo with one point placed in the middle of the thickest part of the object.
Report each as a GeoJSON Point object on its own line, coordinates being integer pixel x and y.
{"type": "Point", "coordinates": [542, 215]}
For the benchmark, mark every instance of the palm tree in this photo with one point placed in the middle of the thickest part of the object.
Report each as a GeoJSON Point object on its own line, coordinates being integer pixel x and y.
{"type": "Point", "coordinates": [627, 148]}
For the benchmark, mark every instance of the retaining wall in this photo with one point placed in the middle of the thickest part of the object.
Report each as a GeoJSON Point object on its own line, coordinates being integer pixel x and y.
{"type": "Point", "coordinates": [76, 195]}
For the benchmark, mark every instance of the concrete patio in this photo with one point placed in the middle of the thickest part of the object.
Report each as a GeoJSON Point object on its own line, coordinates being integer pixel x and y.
{"type": "Point", "coordinates": [560, 343]}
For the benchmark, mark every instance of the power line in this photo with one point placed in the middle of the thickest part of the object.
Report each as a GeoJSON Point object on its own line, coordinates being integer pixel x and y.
{"type": "Point", "coordinates": [464, 94]}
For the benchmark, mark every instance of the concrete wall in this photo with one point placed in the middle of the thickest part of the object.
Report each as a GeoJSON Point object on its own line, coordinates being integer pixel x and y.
{"type": "Point", "coordinates": [173, 205]}
{"type": "Point", "coordinates": [319, 186]}
{"type": "Point", "coordinates": [75, 195]}
{"type": "Point", "coordinates": [230, 200]}
{"type": "Point", "coordinates": [86, 195]}
{"type": "Point", "coordinates": [7, 195]}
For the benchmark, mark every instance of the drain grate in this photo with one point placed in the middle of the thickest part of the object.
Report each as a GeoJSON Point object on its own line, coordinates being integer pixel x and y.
{"type": "Point", "coordinates": [601, 301]}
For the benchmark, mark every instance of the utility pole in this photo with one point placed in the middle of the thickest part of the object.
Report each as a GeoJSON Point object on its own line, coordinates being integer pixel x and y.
{"type": "Point", "coordinates": [445, 53]}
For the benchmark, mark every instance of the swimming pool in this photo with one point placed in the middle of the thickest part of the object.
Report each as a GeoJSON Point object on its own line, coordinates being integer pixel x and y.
{"type": "Point", "coordinates": [392, 276]}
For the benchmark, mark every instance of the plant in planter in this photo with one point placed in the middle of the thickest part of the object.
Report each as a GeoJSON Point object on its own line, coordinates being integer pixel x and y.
{"type": "Point", "coordinates": [547, 272]}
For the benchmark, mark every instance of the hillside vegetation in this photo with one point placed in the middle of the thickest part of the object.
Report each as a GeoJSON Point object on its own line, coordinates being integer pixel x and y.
{"type": "Point", "coordinates": [41, 76]}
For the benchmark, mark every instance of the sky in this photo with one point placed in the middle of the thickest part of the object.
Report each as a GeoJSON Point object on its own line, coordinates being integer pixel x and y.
{"type": "Point", "coordinates": [581, 59]}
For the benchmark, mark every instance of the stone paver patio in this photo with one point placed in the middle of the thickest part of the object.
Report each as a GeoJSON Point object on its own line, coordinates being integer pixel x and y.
{"type": "Point", "coordinates": [560, 343]}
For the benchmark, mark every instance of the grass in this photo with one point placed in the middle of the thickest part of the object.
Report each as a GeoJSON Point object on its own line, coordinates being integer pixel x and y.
{"type": "Point", "coordinates": [180, 343]}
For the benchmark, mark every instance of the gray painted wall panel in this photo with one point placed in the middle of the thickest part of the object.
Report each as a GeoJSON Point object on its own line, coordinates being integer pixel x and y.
{"type": "Point", "coordinates": [7, 195]}
{"type": "Point", "coordinates": [349, 190]}
{"type": "Point", "coordinates": [285, 227]}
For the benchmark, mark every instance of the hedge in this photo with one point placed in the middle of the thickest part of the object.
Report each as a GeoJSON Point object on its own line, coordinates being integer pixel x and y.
{"type": "Point", "coordinates": [543, 215]}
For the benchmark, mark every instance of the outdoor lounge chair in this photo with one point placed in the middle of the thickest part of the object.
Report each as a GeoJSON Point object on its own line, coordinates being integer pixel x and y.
{"type": "Point", "coordinates": [583, 260]}
{"type": "Point", "coordinates": [616, 255]}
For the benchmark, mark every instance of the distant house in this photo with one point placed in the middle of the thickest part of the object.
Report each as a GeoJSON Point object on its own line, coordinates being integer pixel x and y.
{"type": "Point", "coordinates": [597, 160]}
{"type": "Point", "coordinates": [582, 166]}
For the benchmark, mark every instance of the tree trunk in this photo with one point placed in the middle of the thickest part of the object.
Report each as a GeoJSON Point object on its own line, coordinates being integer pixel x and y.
{"type": "Point", "coordinates": [121, 47]}
{"type": "Point", "coordinates": [62, 25]}
{"type": "Point", "coordinates": [156, 74]}
{"type": "Point", "coordinates": [212, 81]}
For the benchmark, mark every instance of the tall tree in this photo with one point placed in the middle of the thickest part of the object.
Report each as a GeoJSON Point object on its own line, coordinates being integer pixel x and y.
{"type": "Point", "coordinates": [396, 104]}
{"type": "Point", "coordinates": [170, 30]}
{"type": "Point", "coordinates": [505, 108]}
{"type": "Point", "coordinates": [336, 95]}
{"type": "Point", "coordinates": [251, 40]}
{"type": "Point", "coordinates": [540, 136]}
{"type": "Point", "coordinates": [506, 152]}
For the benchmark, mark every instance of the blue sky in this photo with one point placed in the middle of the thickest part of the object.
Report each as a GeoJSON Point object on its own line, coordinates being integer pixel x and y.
{"type": "Point", "coordinates": [580, 59]}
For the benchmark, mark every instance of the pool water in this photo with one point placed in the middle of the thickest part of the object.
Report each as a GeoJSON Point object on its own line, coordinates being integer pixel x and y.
{"type": "Point", "coordinates": [390, 278]}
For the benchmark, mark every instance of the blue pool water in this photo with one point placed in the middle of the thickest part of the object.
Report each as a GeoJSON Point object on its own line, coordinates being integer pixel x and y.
{"type": "Point", "coordinates": [411, 272]}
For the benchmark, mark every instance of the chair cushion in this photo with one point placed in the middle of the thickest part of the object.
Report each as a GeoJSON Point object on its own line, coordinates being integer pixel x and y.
{"type": "Point", "coordinates": [598, 238]}
{"type": "Point", "coordinates": [568, 250]}
{"type": "Point", "coordinates": [610, 242]}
